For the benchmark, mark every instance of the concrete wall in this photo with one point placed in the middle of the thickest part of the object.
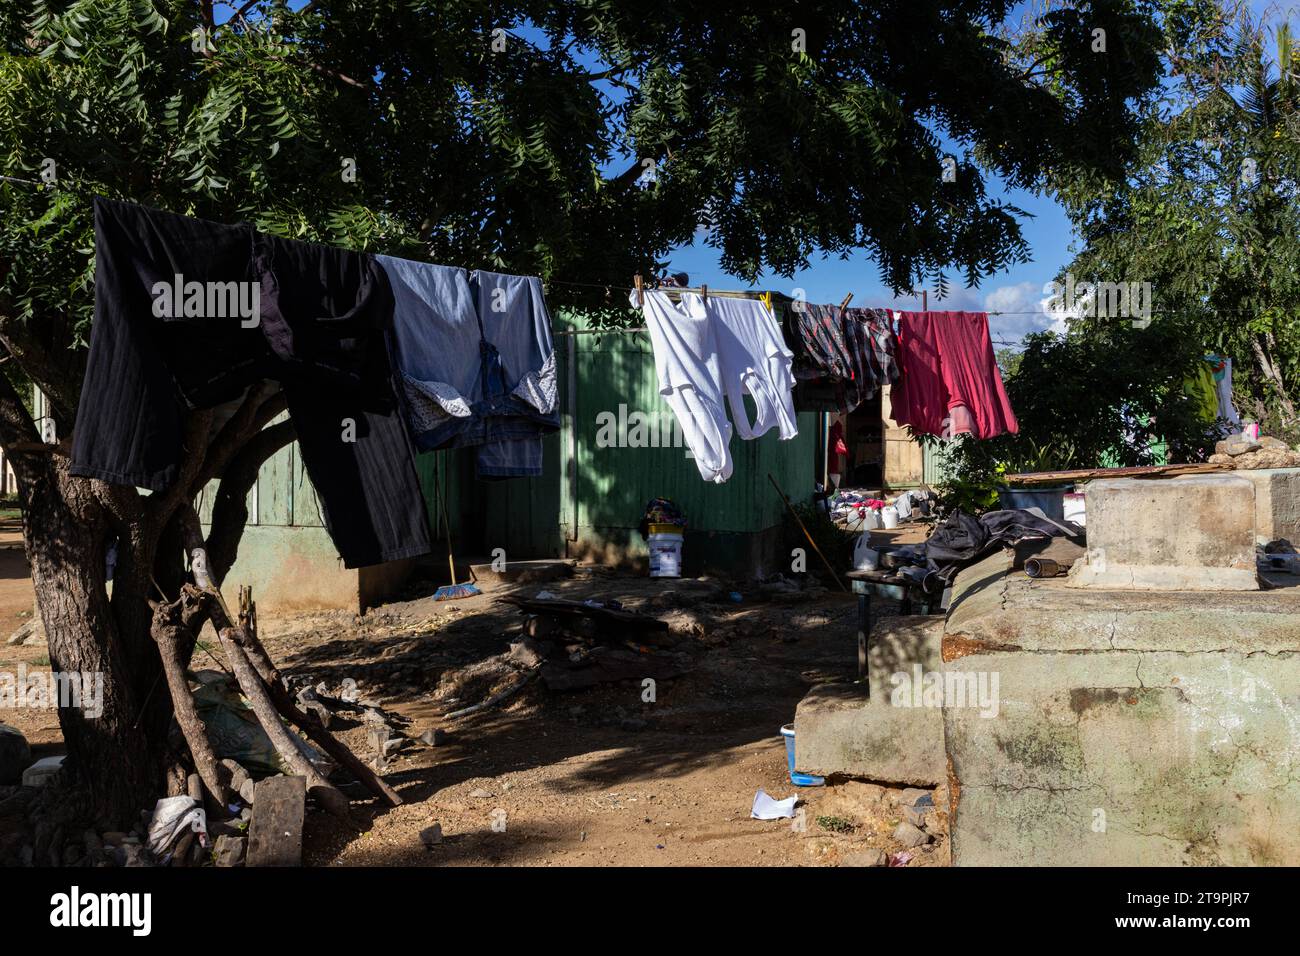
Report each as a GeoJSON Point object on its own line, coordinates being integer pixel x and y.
{"type": "Point", "coordinates": [1134, 728]}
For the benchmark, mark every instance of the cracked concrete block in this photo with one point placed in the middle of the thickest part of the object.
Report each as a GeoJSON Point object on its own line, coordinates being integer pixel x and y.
{"type": "Point", "coordinates": [1277, 503]}
{"type": "Point", "coordinates": [896, 735]}
{"type": "Point", "coordinates": [1194, 533]}
{"type": "Point", "coordinates": [1132, 728]}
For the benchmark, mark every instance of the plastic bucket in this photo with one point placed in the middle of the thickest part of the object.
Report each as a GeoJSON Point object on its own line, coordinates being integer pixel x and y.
{"type": "Point", "coordinates": [665, 552]}
{"type": "Point", "coordinates": [788, 733]}
{"type": "Point", "coordinates": [889, 516]}
{"type": "Point", "coordinates": [1051, 500]}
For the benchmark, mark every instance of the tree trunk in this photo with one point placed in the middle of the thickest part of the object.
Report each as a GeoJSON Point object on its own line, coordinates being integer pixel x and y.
{"type": "Point", "coordinates": [120, 754]}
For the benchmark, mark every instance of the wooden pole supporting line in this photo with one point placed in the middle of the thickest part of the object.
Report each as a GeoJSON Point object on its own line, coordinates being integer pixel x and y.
{"type": "Point", "coordinates": [250, 682]}
{"type": "Point", "coordinates": [794, 514]}
{"type": "Point", "coordinates": [169, 631]}
{"type": "Point", "coordinates": [269, 673]}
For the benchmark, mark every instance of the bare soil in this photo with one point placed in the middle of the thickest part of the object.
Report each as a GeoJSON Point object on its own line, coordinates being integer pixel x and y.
{"type": "Point", "coordinates": [591, 777]}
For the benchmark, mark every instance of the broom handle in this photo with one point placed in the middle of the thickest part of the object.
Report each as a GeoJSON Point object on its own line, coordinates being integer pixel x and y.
{"type": "Point", "coordinates": [446, 524]}
{"type": "Point", "coordinates": [794, 514]}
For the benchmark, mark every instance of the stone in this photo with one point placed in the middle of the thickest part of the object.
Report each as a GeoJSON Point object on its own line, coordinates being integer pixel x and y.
{"type": "Point", "coordinates": [887, 737]}
{"type": "Point", "coordinates": [233, 774]}
{"type": "Point", "coordinates": [910, 836]}
{"type": "Point", "coordinates": [871, 857]}
{"type": "Point", "coordinates": [1236, 445]}
{"type": "Point", "coordinates": [478, 793]}
{"type": "Point", "coordinates": [15, 754]}
{"type": "Point", "coordinates": [275, 833]}
{"type": "Point", "coordinates": [1277, 503]}
{"type": "Point", "coordinates": [228, 851]}
{"type": "Point", "coordinates": [915, 815]}
{"type": "Point", "coordinates": [434, 737]}
{"type": "Point", "coordinates": [1137, 728]}
{"type": "Point", "coordinates": [913, 796]}
{"type": "Point", "coordinates": [1271, 443]}
{"type": "Point", "coordinates": [1192, 533]}
{"type": "Point", "coordinates": [431, 836]}
{"type": "Point", "coordinates": [41, 772]}
{"type": "Point", "coordinates": [30, 634]}
{"type": "Point", "coordinates": [248, 791]}
{"type": "Point", "coordinates": [527, 653]}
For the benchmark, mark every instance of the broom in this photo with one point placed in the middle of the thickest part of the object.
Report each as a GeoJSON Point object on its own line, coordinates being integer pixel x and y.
{"type": "Point", "coordinates": [453, 591]}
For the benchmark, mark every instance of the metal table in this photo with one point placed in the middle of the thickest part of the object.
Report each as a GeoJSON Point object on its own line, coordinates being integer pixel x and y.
{"type": "Point", "coordinates": [888, 585]}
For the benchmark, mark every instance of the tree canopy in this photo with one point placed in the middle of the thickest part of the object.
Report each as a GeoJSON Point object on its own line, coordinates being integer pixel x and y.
{"type": "Point", "coordinates": [1209, 211]}
{"type": "Point", "coordinates": [576, 140]}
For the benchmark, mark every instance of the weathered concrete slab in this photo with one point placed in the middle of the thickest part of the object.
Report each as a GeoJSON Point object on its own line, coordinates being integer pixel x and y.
{"type": "Point", "coordinates": [275, 832]}
{"type": "Point", "coordinates": [1131, 728]}
{"type": "Point", "coordinates": [521, 572]}
{"type": "Point", "coordinates": [1277, 503]}
{"type": "Point", "coordinates": [1191, 533]}
{"type": "Point", "coordinates": [897, 735]}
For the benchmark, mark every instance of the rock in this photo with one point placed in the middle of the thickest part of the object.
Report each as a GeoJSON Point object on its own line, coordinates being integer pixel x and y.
{"type": "Point", "coordinates": [275, 833]}
{"type": "Point", "coordinates": [431, 836]}
{"type": "Point", "coordinates": [136, 856]}
{"type": "Point", "coordinates": [40, 773]}
{"type": "Point", "coordinates": [30, 634]}
{"type": "Point", "coordinates": [247, 791]}
{"type": "Point", "coordinates": [434, 738]}
{"type": "Point", "coordinates": [915, 815]}
{"type": "Point", "coordinates": [1236, 445]}
{"type": "Point", "coordinates": [228, 851]}
{"type": "Point", "coordinates": [478, 793]}
{"type": "Point", "coordinates": [913, 797]}
{"type": "Point", "coordinates": [233, 774]}
{"type": "Point", "coordinates": [1271, 443]}
{"type": "Point", "coordinates": [527, 653]}
{"type": "Point", "coordinates": [869, 857]}
{"type": "Point", "coordinates": [910, 836]}
{"type": "Point", "coordinates": [15, 754]}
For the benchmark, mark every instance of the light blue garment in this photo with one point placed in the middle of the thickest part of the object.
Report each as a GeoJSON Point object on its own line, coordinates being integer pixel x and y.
{"type": "Point", "coordinates": [477, 363]}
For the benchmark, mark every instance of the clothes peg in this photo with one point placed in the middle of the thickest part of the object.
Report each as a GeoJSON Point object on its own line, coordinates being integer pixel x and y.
{"type": "Point", "coordinates": [847, 299]}
{"type": "Point", "coordinates": [640, 289]}
{"type": "Point", "coordinates": [704, 294]}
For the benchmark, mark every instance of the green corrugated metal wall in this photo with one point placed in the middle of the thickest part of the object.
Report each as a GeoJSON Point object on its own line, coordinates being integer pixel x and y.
{"type": "Point", "coordinates": [550, 517]}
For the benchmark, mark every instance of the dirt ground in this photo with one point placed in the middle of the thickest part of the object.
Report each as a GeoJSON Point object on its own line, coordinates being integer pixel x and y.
{"type": "Point", "coordinates": [590, 777]}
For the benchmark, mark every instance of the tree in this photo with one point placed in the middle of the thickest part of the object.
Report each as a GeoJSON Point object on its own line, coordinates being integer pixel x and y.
{"type": "Point", "coordinates": [577, 140]}
{"type": "Point", "coordinates": [1208, 212]}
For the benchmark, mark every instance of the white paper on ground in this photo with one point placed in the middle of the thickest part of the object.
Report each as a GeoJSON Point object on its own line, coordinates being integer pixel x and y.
{"type": "Point", "coordinates": [765, 808]}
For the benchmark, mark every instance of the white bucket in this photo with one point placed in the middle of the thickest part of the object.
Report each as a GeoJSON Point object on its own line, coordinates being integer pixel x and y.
{"type": "Point", "coordinates": [865, 558]}
{"type": "Point", "coordinates": [870, 519]}
{"type": "Point", "coordinates": [889, 515]}
{"type": "Point", "coordinates": [665, 555]}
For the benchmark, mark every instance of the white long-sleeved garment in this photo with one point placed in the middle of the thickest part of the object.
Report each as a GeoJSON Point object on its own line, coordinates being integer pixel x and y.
{"type": "Point", "coordinates": [690, 379]}
{"type": "Point", "coordinates": [753, 359]}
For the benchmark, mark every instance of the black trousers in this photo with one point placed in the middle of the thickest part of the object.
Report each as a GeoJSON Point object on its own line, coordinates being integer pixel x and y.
{"type": "Point", "coordinates": [323, 317]}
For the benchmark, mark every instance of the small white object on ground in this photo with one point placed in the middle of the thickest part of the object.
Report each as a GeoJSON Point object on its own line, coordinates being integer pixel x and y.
{"type": "Point", "coordinates": [765, 808]}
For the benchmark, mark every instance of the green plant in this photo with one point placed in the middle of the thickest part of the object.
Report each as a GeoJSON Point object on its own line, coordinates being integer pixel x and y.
{"type": "Point", "coordinates": [836, 824]}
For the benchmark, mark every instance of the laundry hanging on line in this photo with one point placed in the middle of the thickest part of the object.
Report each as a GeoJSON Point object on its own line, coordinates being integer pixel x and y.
{"type": "Point", "coordinates": [476, 363]}
{"type": "Point", "coordinates": [709, 355]}
{"type": "Point", "coordinates": [321, 322]}
{"type": "Point", "coordinates": [949, 383]}
{"type": "Point", "coordinates": [842, 357]}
